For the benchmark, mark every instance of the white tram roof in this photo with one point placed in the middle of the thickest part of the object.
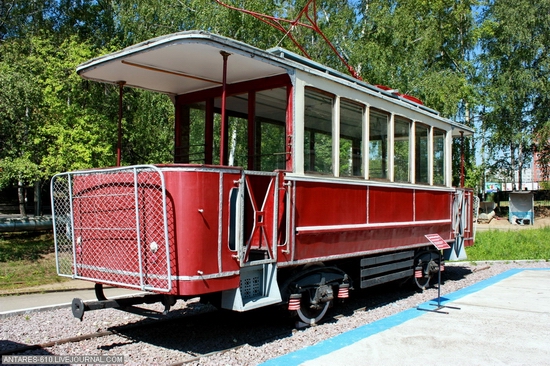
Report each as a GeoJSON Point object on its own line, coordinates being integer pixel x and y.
{"type": "Point", "coordinates": [162, 64]}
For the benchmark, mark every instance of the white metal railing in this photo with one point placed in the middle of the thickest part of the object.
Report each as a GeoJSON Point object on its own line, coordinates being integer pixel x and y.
{"type": "Point", "coordinates": [112, 226]}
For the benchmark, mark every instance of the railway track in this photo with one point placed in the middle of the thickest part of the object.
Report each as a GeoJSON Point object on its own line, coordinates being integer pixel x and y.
{"type": "Point", "coordinates": [114, 331]}
{"type": "Point", "coordinates": [209, 321]}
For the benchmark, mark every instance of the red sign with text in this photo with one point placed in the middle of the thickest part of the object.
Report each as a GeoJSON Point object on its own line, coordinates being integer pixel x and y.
{"type": "Point", "coordinates": [437, 241]}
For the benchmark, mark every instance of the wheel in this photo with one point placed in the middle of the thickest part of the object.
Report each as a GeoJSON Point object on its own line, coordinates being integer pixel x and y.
{"type": "Point", "coordinates": [424, 281]}
{"type": "Point", "coordinates": [311, 315]}
{"type": "Point", "coordinates": [426, 265]}
{"type": "Point", "coordinates": [309, 292]}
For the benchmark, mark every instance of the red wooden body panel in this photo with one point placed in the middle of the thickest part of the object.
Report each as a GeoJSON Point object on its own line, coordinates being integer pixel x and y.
{"type": "Point", "coordinates": [106, 239]}
{"type": "Point", "coordinates": [331, 218]}
{"type": "Point", "coordinates": [197, 287]}
{"type": "Point", "coordinates": [432, 205]}
{"type": "Point", "coordinates": [196, 198]}
{"type": "Point", "coordinates": [365, 241]}
{"type": "Point", "coordinates": [330, 204]}
{"type": "Point", "coordinates": [390, 204]}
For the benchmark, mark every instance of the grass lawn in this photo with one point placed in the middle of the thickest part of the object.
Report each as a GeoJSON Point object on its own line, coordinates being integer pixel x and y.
{"type": "Point", "coordinates": [511, 245]}
{"type": "Point", "coordinates": [27, 260]}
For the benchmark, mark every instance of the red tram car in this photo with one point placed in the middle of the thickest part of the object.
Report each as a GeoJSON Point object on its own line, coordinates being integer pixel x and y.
{"type": "Point", "coordinates": [291, 184]}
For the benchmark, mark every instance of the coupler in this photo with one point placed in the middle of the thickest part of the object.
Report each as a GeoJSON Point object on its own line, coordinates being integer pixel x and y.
{"type": "Point", "coordinates": [79, 307]}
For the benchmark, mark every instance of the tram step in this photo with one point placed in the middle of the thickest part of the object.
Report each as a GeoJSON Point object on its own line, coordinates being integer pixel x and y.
{"type": "Point", "coordinates": [258, 288]}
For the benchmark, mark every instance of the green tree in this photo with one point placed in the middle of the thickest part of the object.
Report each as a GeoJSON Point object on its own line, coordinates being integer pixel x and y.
{"type": "Point", "coordinates": [425, 49]}
{"type": "Point", "coordinates": [515, 63]}
{"type": "Point", "coordinates": [148, 128]}
{"type": "Point", "coordinates": [20, 98]}
{"type": "Point", "coordinates": [19, 19]}
{"type": "Point", "coordinates": [73, 135]}
{"type": "Point", "coordinates": [48, 120]}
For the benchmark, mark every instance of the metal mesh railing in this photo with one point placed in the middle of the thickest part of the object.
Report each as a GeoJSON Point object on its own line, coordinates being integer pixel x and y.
{"type": "Point", "coordinates": [112, 226]}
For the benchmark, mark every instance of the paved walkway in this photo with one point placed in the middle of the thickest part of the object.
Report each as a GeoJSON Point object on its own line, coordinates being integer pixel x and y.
{"type": "Point", "coordinates": [504, 320]}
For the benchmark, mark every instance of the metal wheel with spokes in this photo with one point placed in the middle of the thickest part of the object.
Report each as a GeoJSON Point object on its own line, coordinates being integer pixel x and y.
{"type": "Point", "coordinates": [310, 292]}
{"type": "Point", "coordinates": [424, 281]}
{"type": "Point", "coordinates": [312, 315]}
{"type": "Point", "coordinates": [426, 266]}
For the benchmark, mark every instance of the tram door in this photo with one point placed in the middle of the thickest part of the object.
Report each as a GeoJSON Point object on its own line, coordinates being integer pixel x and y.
{"type": "Point", "coordinates": [253, 226]}
{"type": "Point", "coordinates": [257, 217]}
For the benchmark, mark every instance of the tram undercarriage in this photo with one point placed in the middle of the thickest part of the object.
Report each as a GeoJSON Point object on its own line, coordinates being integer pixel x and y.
{"type": "Point", "coordinates": [307, 293]}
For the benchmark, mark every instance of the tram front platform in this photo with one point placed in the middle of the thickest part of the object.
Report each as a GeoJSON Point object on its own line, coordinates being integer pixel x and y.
{"type": "Point", "coordinates": [504, 320]}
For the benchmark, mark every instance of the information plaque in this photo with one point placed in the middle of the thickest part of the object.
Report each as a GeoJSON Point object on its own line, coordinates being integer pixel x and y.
{"type": "Point", "coordinates": [438, 241]}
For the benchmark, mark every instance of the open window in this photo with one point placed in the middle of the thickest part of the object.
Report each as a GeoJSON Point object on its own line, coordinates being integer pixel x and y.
{"type": "Point", "coordinates": [256, 126]}
{"type": "Point", "coordinates": [190, 146]}
{"type": "Point", "coordinates": [439, 137]}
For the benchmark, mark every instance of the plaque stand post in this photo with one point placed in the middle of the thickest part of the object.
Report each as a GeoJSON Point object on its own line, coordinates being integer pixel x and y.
{"type": "Point", "coordinates": [440, 244]}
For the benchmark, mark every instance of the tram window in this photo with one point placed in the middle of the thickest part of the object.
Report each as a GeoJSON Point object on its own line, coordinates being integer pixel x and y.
{"type": "Point", "coordinates": [421, 134]}
{"type": "Point", "coordinates": [271, 120]}
{"type": "Point", "coordinates": [237, 129]}
{"type": "Point", "coordinates": [351, 122]}
{"type": "Point", "coordinates": [317, 132]}
{"type": "Point", "coordinates": [378, 145]}
{"type": "Point", "coordinates": [438, 157]}
{"type": "Point", "coordinates": [272, 144]}
{"type": "Point", "coordinates": [191, 148]}
{"type": "Point", "coordinates": [401, 146]}
{"type": "Point", "coordinates": [238, 141]}
{"type": "Point", "coordinates": [264, 148]}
